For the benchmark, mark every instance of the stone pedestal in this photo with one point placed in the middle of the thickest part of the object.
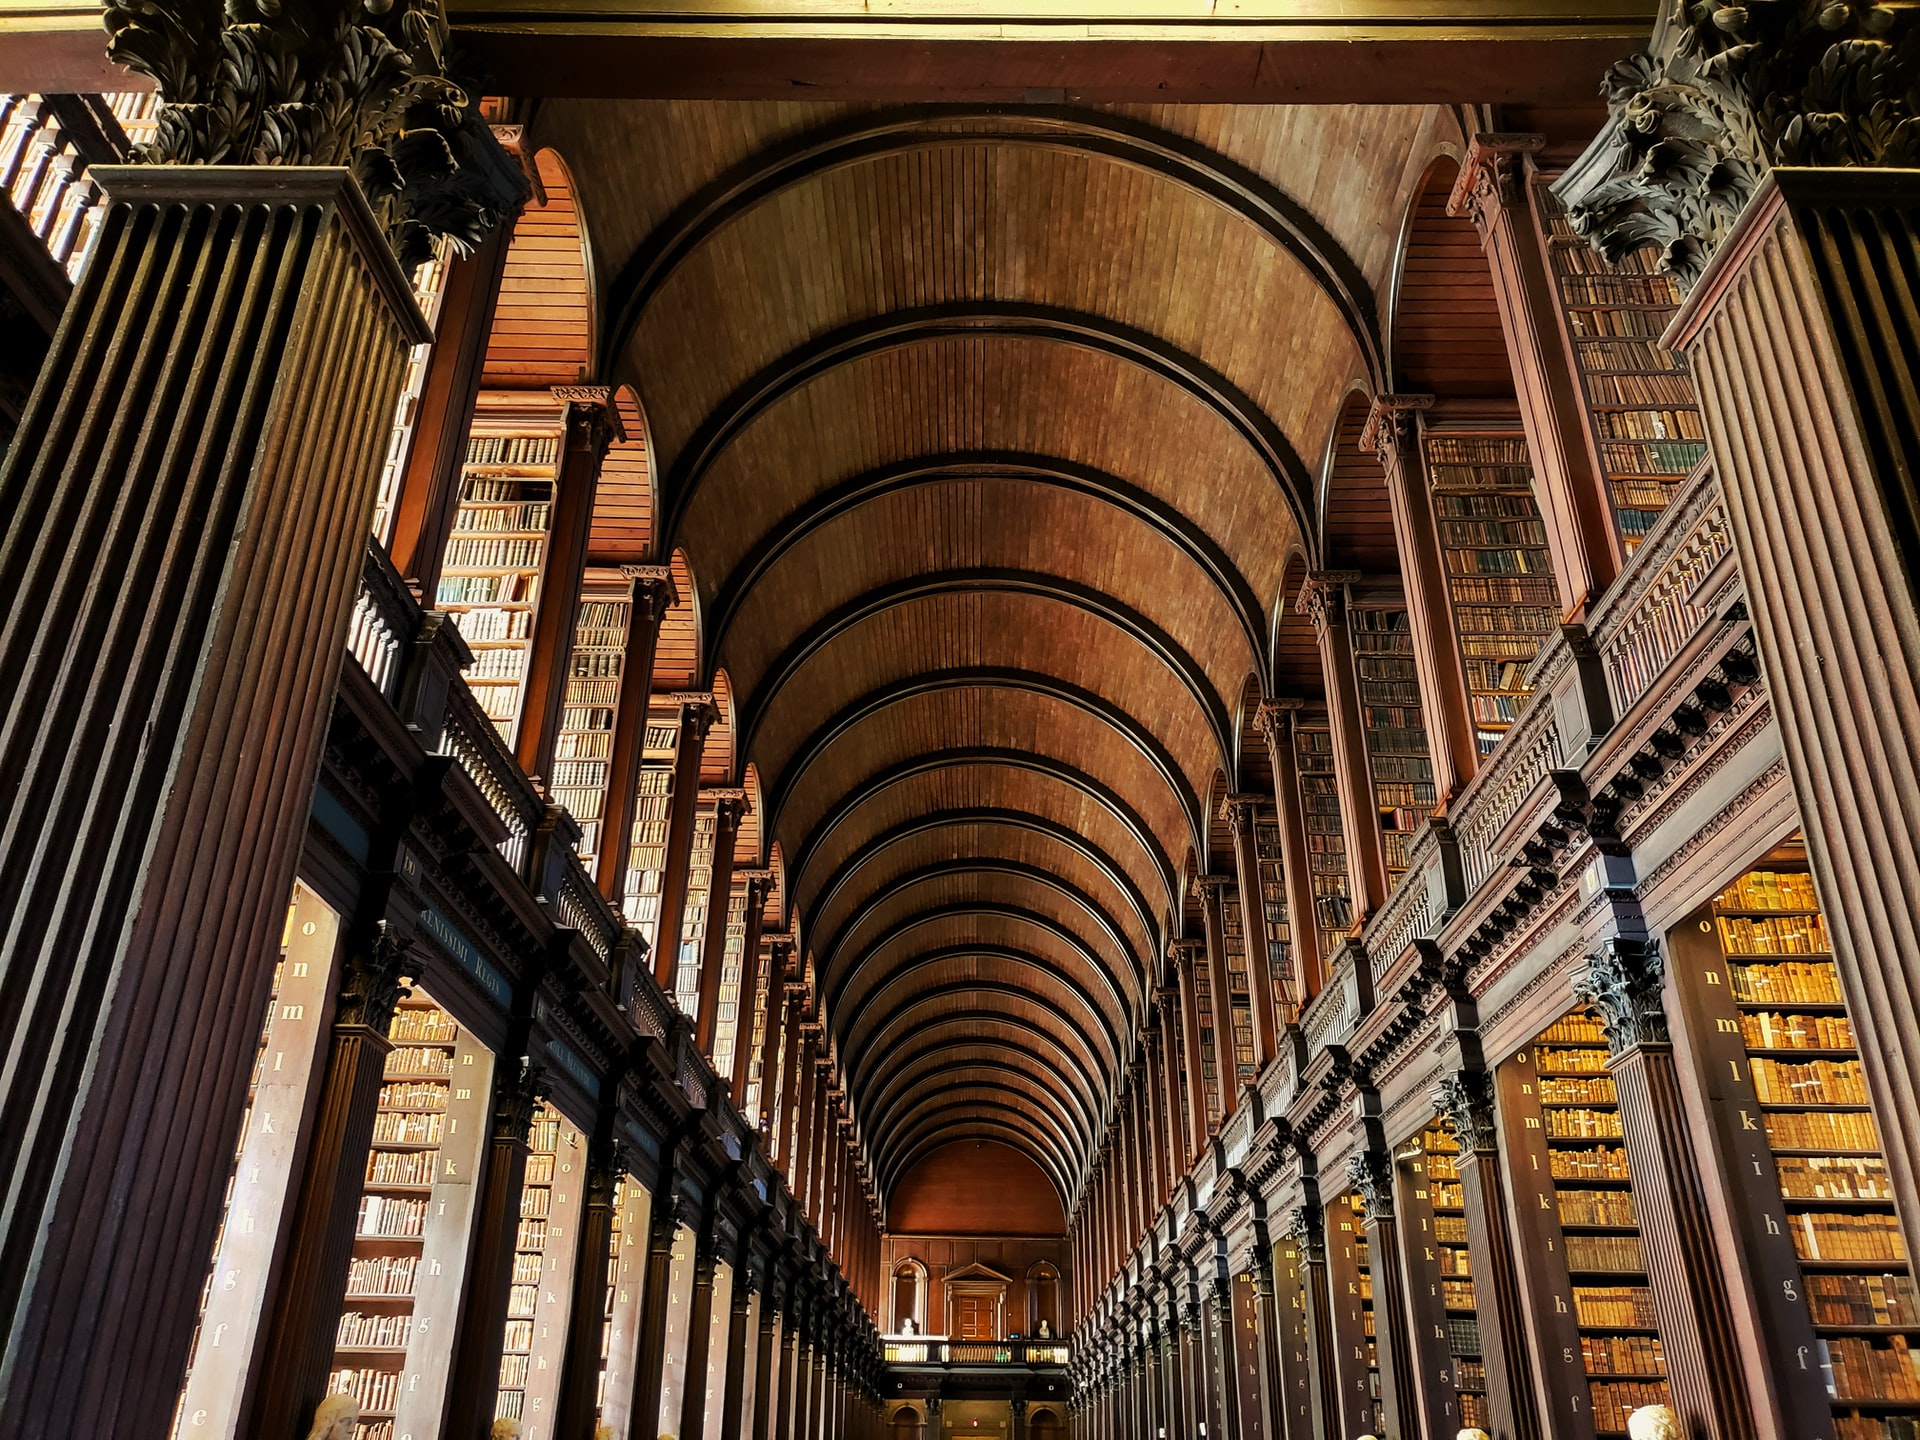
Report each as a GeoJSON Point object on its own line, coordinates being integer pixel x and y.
{"type": "Point", "coordinates": [186, 501]}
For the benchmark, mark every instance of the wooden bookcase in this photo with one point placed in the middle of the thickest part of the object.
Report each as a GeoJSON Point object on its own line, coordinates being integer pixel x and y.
{"type": "Point", "coordinates": [653, 795]}
{"type": "Point", "coordinates": [1203, 1006]}
{"type": "Point", "coordinates": [1356, 1358]}
{"type": "Point", "coordinates": [1326, 844]}
{"type": "Point", "coordinates": [584, 748]}
{"type": "Point", "coordinates": [1575, 1127]}
{"type": "Point", "coordinates": [1397, 755]}
{"type": "Point", "coordinates": [761, 1002]}
{"type": "Point", "coordinates": [534, 1344]}
{"type": "Point", "coordinates": [490, 575]}
{"type": "Point", "coordinates": [429, 289]}
{"type": "Point", "coordinates": [1499, 571]}
{"type": "Point", "coordinates": [1640, 399]}
{"type": "Point", "coordinates": [727, 1003]}
{"type": "Point", "coordinates": [693, 923]}
{"type": "Point", "coordinates": [1239, 995]}
{"type": "Point", "coordinates": [1818, 1147]}
{"type": "Point", "coordinates": [1452, 1273]}
{"type": "Point", "coordinates": [1272, 910]}
{"type": "Point", "coordinates": [415, 1213]}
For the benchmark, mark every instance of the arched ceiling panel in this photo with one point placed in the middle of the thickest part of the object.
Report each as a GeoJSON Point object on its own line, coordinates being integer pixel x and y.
{"type": "Point", "coordinates": [974, 392]}
{"type": "Point", "coordinates": [975, 525]}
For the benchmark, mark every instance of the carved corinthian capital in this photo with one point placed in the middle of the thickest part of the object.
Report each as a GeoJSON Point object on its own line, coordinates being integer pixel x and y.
{"type": "Point", "coordinates": [366, 84]}
{"type": "Point", "coordinates": [1464, 1102]}
{"type": "Point", "coordinates": [1724, 92]}
{"type": "Point", "coordinates": [375, 981]}
{"type": "Point", "coordinates": [1623, 981]}
{"type": "Point", "coordinates": [1370, 1174]}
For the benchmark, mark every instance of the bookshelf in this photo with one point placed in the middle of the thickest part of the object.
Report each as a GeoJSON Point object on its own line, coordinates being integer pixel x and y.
{"type": "Point", "coordinates": [533, 1345]}
{"type": "Point", "coordinates": [583, 750]}
{"type": "Point", "coordinates": [490, 574]}
{"type": "Point", "coordinates": [693, 923]}
{"type": "Point", "coordinates": [626, 1279]}
{"type": "Point", "coordinates": [1640, 400]}
{"type": "Point", "coordinates": [1397, 756]}
{"type": "Point", "coordinates": [756, 1109]}
{"type": "Point", "coordinates": [1326, 844]}
{"type": "Point", "coordinates": [727, 1004]}
{"type": "Point", "coordinates": [1440, 1158]}
{"type": "Point", "coordinates": [1356, 1344]}
{"type": "Point", "coordinates": [395, 1334]}
{"type": "Point", "coordinates": [1278, 935]}
{"type": "Point", "coordinates": [1499, 573]}
{"type": "Point", "coordinates": [653, 796]}
{"type": "Point", "coordinates": [1827, 1161]}
{"type": "Point", "coordinates": [1587, 1160]}
{"type": "Point", "coordinates": [1203, 1006]}
{"type": "Point", "coordinates": [429, 289]}
{"type": "Point", "coordinates": [1239, 996]}
{"type": "Point", "coordinates": [610, 1311]}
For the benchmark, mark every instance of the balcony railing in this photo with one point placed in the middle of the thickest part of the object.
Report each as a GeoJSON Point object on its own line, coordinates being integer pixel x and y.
{"type": "Point", "coordinates": [939, 1350]}
{"type": "Point", "coordinates": [46, 146]}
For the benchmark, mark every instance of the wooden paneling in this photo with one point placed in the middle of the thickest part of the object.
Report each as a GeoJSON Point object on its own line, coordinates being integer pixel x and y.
{"type": "Point", "coordinates": [1359, 516]}
{"type": "Point", "coordinates": [975, 1188]}
{"type": "Point", "coordinates": [1446, 331]}
{"type": "Point", "coordinates": [542, 328]}
{"type": "Point", "coordinates": [624, 502]}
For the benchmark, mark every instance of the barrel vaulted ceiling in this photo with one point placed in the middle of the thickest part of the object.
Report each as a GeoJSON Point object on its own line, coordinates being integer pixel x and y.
{"type": "Point", "coordinates": [992, 439]}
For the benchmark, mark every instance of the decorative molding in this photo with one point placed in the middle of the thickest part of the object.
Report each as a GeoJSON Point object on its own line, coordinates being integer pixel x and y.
{"type": "Point", "coordinates": [1392, 422]}
{"type": "Point", "coordinates": [1323, 597]}
{"type": "Point", "coordinates": [1493, 178]}
{"type": "Point", "coordinates": [1724, 93]}
{"type": "Point", "coordinates": [1370, 1176]}
{"type": "Point", "coordinates": [376, 980]}
{"type": "Point", "coordinates": [516, 1096]}
{"type": "Point", "coordinates": [1464, 1103]}
{"type": "Point", "coordinates": [1623, 981]}
{"type": "Point", "coordinates": [312, 83]}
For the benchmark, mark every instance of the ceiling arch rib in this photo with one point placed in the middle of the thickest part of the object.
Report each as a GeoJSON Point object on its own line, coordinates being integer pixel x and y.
{"type": "Point", "coordinates": [840, 501]}
{"type": "Point", "coordinates": [1041, 1108]}
{"type": "Point", "coordinates": [990, 677]}
{"type": "Point", "coordinates": [925, 824]}
{"type": "Point", "coordinates": [984, 580]}
{"type": "Point", "coordinates": [987, 1127]}
{"type": "Point", "coordinates": [995, 757]}
{"type": "Point", "coordinates": [898, 329]}
{"type": "Point", "coordinates": [971, 866]}
{"type": "Point", "coordinates": [976, 1026]}
{"type": "Point", "coordinates": [1225, 182]}
{"type": "Point", "coordinates": [934, 1116]}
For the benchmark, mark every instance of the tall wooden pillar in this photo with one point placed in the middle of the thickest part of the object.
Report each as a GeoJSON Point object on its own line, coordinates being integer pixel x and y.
{"type": "Point", "coordinates": [1174, 1101]}
{"type": "Point", "coordinates": [294, 1362]}
{"type": "Point", "coordinates": [1269, 1372]}
{"type": "Point", "coordinates": [1222, 1374]}
{"type": "Point", "coordinates": [1184, 953]}
{"type": "Point", "coordinates": [789, 1394]}
{"type": "Point", "coordinates": [1241, 811]}
{"type": "Point", "coordinates": [1274, 720]}
{"type": "Point", "coordinates": [1371, 1174]}
{"type": "Point", "coordinates": [759, 883]}
{"type": "Point", "coordinates": [1569, 486]}
{"type": "Point", "coordinates": [763, 1379]}
{"type": "Point", "coordinates": [158, 760]}
{"type": "Point", "coordinates": [730, 807]}
{"type": "Point", "coordinates": [652, 595]}
{"type": "Point", "coordinates": [589, 425]}
{"type": "Point", "coordinates": [656, 1287]}
{"type": "Point", "coordinates": [791, 1045]}
{"type": "Point", "coordinates": [1393, 434]}
{"type": "Point", "coordinates": [1323, 599]}
{"type": "Point", "coordinates": [697, 717]}
{"type": "Point", "coordinates": [587, 1314]}
{"type": "Point", "coordinates": [1802, 336]}
{"type": "Point", "coordinates": [1464, 1100]}
{"type": "Point", "coordinates": [1704, 1355]}
{"type": "Point", "coordinates": [428, 496]}
{"type": "Point", "coordinates": [1316, 1283]}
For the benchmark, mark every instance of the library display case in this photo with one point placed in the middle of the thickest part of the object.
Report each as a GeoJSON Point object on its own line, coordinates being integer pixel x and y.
{"type": "Point", "coordinates": [1356, 1357]}
{"type": "Point", "coordinates": [490, 574]}
{"type": "Point", "coordinates": [1326, 842]}
{"type": "Point", "coordinates": [1397, 756]}
{"type": "Point", "coordinates": [396, 1331]}
{"type": "Point", "coordinates": [1568, 1165]}
{"type": "Point", "coordinates": [1270, 909]}
{"type": "Point", "coordinates": [1499, 572]}
{"type": "Point", "coordinates": [653, 796]}
{"type": "Point", "coordinates": [1640, 400]}
{"type": "Point", "coordinates": [583, 750]}
{"type": "Point", "coordinates": [538, 1304]}
{"type": "Point", "coordinates": [1818, 1147]}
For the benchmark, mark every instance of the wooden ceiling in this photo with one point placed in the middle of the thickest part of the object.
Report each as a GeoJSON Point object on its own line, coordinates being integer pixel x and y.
{"type": "Point", "coordinates": [988, 445]}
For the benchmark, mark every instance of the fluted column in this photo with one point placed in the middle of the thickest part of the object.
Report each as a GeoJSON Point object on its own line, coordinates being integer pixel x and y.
{"type": "Point", "coordinates": [1223, 1374]}
{"type": "Point", "coordinates": [656, 1287]}
{"type": "Point", "coordinates": [1495, 189]}
{"type": "Point", "coordinates": [1371, 1174]}
{"type": "Point", "coordinates": [588, 428]}
{"type": "Point", "coordinates": [1393, 434]}
{"type": "Point", "coordinates": [1323, 599]}
{"type": "Point", "coordinates": [1316, 1284]}
{"type": "Point", "coordinates": [761, 1426]}
{"type": "Point", "coordinates": [651, 596]}
{"type": "Point", "coordinates": [1681, 1244]}
{"type": "Point", "coordinates": [1275, 719]}
{"type": "Point", "coordinates": [789, 1393]}
{"type": "Point", "coordinates": [693, 1388]}
{"type": "Point", "coordinates": [158, 754]}
{"type": "Point", "coordinates": [697, 717]}
{"type": "Point", "coordinates": [579, 1401]}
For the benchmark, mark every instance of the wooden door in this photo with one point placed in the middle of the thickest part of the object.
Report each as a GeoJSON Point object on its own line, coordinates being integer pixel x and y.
{"type": "Point", "coordinates": [973, 1317]}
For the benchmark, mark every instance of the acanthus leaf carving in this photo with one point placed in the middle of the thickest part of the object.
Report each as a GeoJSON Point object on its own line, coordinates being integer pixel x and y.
{"type": "Point", "coordinates": [1464, 1103]}
{"type": "Point", "coordinates": [1623, 981]}
{"type": "Point", "coordinates": [376, 980]}
{"type": "Point", "coordinates": [1370, 1176]}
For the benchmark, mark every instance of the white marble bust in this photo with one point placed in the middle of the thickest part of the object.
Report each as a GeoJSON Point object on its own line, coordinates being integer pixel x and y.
{"type": "Point", "coordinates": [1473, 1434]}
{"type": "Point", "coordinates": [336, 1419]}
{"type": "Point", "coordinates": [1654, 1422]}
